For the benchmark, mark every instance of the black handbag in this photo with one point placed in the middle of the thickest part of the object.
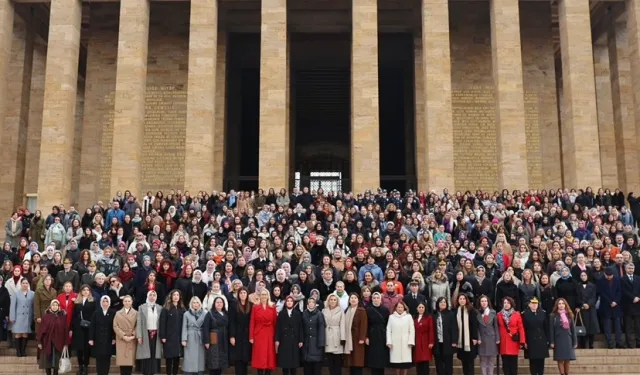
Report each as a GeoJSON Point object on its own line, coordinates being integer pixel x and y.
{"type": "Point", "coordinates": [581, 330]}
{"type": "Point", "coordinates": [516, 337]}
{"type": "Point", "coordinates": [84, 323]}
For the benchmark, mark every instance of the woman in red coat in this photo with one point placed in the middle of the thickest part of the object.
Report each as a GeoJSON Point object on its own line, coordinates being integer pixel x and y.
{"type": "Point", "coordinates": [67, 300]}
{"type": "Point", "coordinates": [511, 336]}
{"type": "Point", "coordinates": [425, 339]}
{"type": "Point", "coordinates": [52, 337]}
{"type": "Point", "coordinates": [262, 329]}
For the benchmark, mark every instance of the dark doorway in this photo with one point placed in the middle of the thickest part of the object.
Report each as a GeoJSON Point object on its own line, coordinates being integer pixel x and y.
{"type": "Point", "coordinates": [243, 112]}
{"type": "Point", "coordinates": [397, 125]}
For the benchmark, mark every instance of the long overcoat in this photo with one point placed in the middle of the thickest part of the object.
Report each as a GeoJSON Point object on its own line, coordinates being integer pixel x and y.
{"type": "Point", "coordinates": [449, 333]}
{"type": "Point", "coordinates": [143, 350]}
{"type": "Point", "coordinates": [401, 335]}
{"type": "Point", "coordinates": [536, 328]}
{"type": "Point", "coordinates": [425, 336]}
{"type": "Point", "coordinates": [377, 353]}
{"type": "Point", "coordinates": [489, 335]}
{"type": "Point", "coordinates": [194, 352]}
{"type": "Point", "coordinates": [289, 335]}
{"type": "Point", "coordinates": [21, 311]}
{"type": "Point", "coordinates": [564, 340]}
{"type": "Point", "coordinates": [262, 331]}
{"type": "Point", "coordinates": [101, 332]}
{"type": "Point", "coordinates": [170, 329]}
{"type": "Point", "coordinates": [589, 317]}
{"type": "Point", "coordinates": [217, 356]}
{"type": "Point", "coordinates": [81, 311]}
{"type": "Point", "coordinates": [124, 324]}
{"type": "Point", "coordinates": [335, 330]}
{"type": "Point", "coordinates": [239, 329]}
{"type": "Point", "coordinates": [313, 328]}
{"type": "Point", "coordinates": [358, 332]}
{"type": "Point", "coordinates": [41, 301]}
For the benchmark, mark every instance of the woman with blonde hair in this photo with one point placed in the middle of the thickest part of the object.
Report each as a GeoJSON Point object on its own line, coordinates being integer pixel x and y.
{"type": "Point", "coordinates": [124, 327]}
{"type": "Point", "coordinates": [194, 351]}
{"type": "Point", "coordinates": [262, 334]}
{"type": "Point", "coordinates": [335, 333]}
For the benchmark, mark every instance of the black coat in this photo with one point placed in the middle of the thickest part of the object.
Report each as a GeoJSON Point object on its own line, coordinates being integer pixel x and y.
{"type": "Point", "coordinates": [449, 333]}
{"type": "Point", "coordinates": [80, 335]}
{"type": "Point", "coordinates": [101, 332]}
{"type": "Point", "coordinates": [239, 329]}
{"type": "Point", "coordinates": [630, 290]}
{"type": "Point", "coordinates": [141, 294]}
{"type": "Point", "coordinates": [313, 329]}
{"type": "Point", "coordinates": [377, 352]}
{"type": "Point", "coordinates": [217, 356]}
{"type": "Point", "coordinates": [412, 303]}
{"type": "Point", "coordinates": [507, 289]}
{"type": "Point", "coordinates": [190, 289]}
{"type": "Point", "coordinates": [170, 329]}
{"type": "Point", "coordinates": [568, 289]}
{"type": "Point", "coordinates": [473, 335]}
{"type": "Point", "coordinates": [5, 306]}
{"type": "Point", "coordinates": [536, 328]}
{"type": "Point", "coordinates": [289, 335]}
{"type": "Point", "coordinates": [589, 318]}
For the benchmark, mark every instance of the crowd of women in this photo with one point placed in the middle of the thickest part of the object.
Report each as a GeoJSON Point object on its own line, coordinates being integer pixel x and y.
{"type": "Point", "coordinates": [309, 279]}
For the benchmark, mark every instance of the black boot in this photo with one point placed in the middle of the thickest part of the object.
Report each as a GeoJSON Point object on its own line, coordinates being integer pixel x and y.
{"type": "Point", "coordinates": [85, 369]}
{"type": "Point", "coordinates": [18, 345]}
{"type": "Point", "coordinates": [24, 346]}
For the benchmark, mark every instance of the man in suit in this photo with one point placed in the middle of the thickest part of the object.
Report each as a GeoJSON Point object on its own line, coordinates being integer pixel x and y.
{"type": "Point", "coordinates": [413, 298]}
{"type": "Point", "coordinates": [610, 299]}
{"type": "Point", "coordinates": [631, 305]}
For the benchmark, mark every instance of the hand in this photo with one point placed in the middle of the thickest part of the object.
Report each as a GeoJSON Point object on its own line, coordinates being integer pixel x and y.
{"type": "Point", "coordinates": [251, 341]}
{"type": "Point", "coordinates": [454, 345]}
{"type": "Point", "coordinates": [140, 340]}
{"type": "Point", "coordinates": [475, 342]}
{"type": "Point", "coordinates": [184, 343]}
{"type": "Point", "coordinates": [636, 299]}
{"type": "Point", "coordinates": [575, 346]}
{"type": "Point", "coordinates": [526, 346]}
{"type": "Point", "coordinates": [577, 310]}
{"type": "Point", "coordinates": [164, 340]}
{"type": "Point", "coordinates": [585, 306]}
{"type": "Point", "coordinates": [389, 346]}
{"type": "Point", "coordinates": [479, 342]}
{"type": "Point", "coordinates": [343, 342]}
{"type": "Point", "coordinates": [498, 342]}
{"type": "Point", "coordinates": [361, 342]}
{"type": "Point", "coordinates": [12, 321]}
{"type": "Point", "coordinates": [232, 341]}
{"type": "Point", "coordinates": [613, 304]}
{"type": "Point", "coordinates": [40, 346]}
{"type": "Point", "coordinates": [366, 341]}
{"type": "Point", "coordinates": [70, 333]}
{"type": "Point", "coordinates": [113, 342]}
{"type": "Point", "coordinates": [38, 320]}
{"type": "Point", "coordinates": [430, 346]}
{"type": "Point", "coordinates": [299, 345]}
{"type": "Point", "coordinates": [552, 346]}
{"type": "Point", "coordinates": [206, 346]}
{"type": "Point", "coordinates": [91, 342]}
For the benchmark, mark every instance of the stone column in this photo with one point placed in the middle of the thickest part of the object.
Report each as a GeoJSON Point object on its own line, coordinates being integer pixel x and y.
{"type": "Point", "coordinates": [131, 88]}
{"type": "Point", "coordinates": [580, 145]}
{"type": "Point", "coordinates": [436, 63]}
{"type": "Point", "coordinates": [633, 33]}
{"type": "Point", "coordinates": [365, 107]}
{"type": "Point", "coordinates": [273, 169]}
{"type": "Point", "coordinates": [420, 135]}
{"type": "Point", "coordinates": [6, 38]}
{"type": "Point", "coordinates": [58, 119]}
{"type": "Point", "coordinates": [507, 78]}
{"type": "Point", "coordinates": [625, 146]}
{"type": "Point", "coordinates": [201, 96]}
{"type": "Point", "coordinates": [221, 119]}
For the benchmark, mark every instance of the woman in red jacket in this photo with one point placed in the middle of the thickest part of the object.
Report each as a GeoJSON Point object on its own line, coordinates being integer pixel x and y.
{"type": "Point", "coordinates": [262, 330]}
{"type": "Point", "coordinates": [511, 336]}
{"type": "Point", "coordinates": [67, 301]}
{"type": "Point", "coordinates": [425, 339]}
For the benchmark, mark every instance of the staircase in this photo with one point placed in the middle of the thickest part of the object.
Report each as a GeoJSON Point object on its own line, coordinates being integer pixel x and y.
{"type": "Point", "coordinates": [589, 361]}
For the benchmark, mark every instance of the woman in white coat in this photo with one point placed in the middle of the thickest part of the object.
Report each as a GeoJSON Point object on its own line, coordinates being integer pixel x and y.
{"type": "Point", "coordinates": [335, 334]}
{"type": "Point", "coordinates": [400, 339]}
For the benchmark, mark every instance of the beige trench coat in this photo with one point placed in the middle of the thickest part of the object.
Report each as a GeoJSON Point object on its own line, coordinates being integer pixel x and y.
{"type": "Point", "coordinates": [335, 330]}
{"type": "Point", "coordinates": [125, 324]}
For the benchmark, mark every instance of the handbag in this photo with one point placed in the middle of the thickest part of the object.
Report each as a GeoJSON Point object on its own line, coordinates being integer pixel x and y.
{"type": "Point", "coordinates": [516, 337]}
{"type": "Point", "coordinates": [581, 330]}
{"type": "Point", "coordinates": [65, 363]}
{"type": "Point", "coordinates": [84, 323]}
{"type": "Point", "coordinates": [213, 338]}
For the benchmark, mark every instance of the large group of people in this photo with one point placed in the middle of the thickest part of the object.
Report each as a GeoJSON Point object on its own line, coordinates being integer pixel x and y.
{"type": "Point", "coordinates": [308, 279]}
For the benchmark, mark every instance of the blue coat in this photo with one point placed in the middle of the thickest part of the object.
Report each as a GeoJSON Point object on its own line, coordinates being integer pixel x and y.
{"type": "Point", "coordinates": [610, 292]}
{"type": "Point", "coordinates": [21, 312]}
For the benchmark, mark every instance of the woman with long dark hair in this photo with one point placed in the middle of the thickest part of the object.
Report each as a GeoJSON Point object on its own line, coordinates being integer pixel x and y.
{"type": "Point", "coordinates": [562, 335]}
{"type": "Point", "coordinates": [512, 335]}
{"type": "Point", "coordinates": [216, 338]}
{"type": "Point", "coordinates": [446, 334]}
{"type": "Point", "coordinates": [239, 319]}
{"type": "Point", "coordinates": [170, 331]}
{"type": "Point", "coordinates": [425, 339]}
{"type": "Point", "coordinates": [356, 327]}
{"type": "Point", "coordinates": [83, 311]}
{"type": "Point", "coordinates": [488, 335]}
{"type": "Point", "coordinates": [289, 337]}
{"type": "Point", "coordinates": [467, 333]}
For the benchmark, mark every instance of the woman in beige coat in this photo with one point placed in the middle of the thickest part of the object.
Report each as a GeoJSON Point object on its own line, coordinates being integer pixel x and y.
{"type": "Point", "coordinates": [124, 326]}
{"type": "Point", "coordinates": [335, 334]}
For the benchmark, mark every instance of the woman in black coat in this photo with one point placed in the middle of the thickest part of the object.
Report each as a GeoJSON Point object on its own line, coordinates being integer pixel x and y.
{"type": "Point", "coordinates": [216, 327]}
{"type": "Point", "coordinates": [445, 325]}
{"type": "Point", "coordinates": [566, 287]}
{"type": "Point", "coordinates": [588, 315]}
{"type": "Point", "coordinates": [83, 310]}
{"type": "Point", "coordinates": [468, 333]}
{"type": "Point", "coordinates": [507, 288]}
{"type": "Point", "coordinates": [536, 327]}
{"type": "Point", "coordinates": [239, 319]}
{"type": "Point", "coordinates": [289, 337]}
{"type": "Point", "coordinates": [313, 329]}
{"type": "Point", "coordinates": [101, 336]}
{"type": "Point", "coordinates": [170, 331]}
{"type": "Point", "coordinates": [5, 306]}
{"type": "Point", "coordinates": [377, 352]}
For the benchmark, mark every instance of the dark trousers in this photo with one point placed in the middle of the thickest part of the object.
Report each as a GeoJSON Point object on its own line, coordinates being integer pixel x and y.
{"type": "Point", "coordinates": [215, 372]}
{"type": "Point", "coordinates": [126, 370]}
{"type": "Point", "coordinates": [586, 341]}
{"type": "Point", "coordinates": [632, 328]}
{"type": "Point", "coordinates": [172, 366]}
{"type": "Point", "coordinates": [288, 371]}
{"type": "Point", "coordinates": [84, 356]}
{"type": "Point", "coordinates": [241, 368]}
{"type": "Point", "coordinates": [103, 365]}
{"type": "Point", "coordinates": [510, 364]}
{"type": "Point", "coordinates": [312, 368]}
{"type": "Point", "coordinates": [377, 371]}
{"type": "Point", "coordinates": [335, 364]}
{"type": "Point", "coordinates": [444, 364]}
{"type": "Point", "coordinates": [536, 366]}
{"type": "Point", "coordinates": [468, 362]}
{"type": "Point", "coordinates": [616, 327]}
{"type": "Point", "coordinates": [422, 368]}
{"type": "Point", "coordinates": [355, 370]}
{"type": "Point", "coordinates": [51, 371]}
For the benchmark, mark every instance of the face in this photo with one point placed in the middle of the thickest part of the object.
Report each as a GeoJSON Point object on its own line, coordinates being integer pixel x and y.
{"type": "Point", "coordinates": [55, 307]}
{"type": "Point", "coordinates": [442, 305]}
{"type": "Point", "coordinates": [506, 304]}
{"type": "Point", "coordinates": [126, 302]}
{"type": "Point", "coordinates": [484, 302]}
{"type": "Point", "coordinates": [311, 304]}
{"type": "Point", "coordinates": [219, 304]}
{"type": "Point", "coordinates": [104, 303]}
{"type": "Point", "coordinates": [561, 305]}
{"type": "Point", "coordinates": [421, 309]}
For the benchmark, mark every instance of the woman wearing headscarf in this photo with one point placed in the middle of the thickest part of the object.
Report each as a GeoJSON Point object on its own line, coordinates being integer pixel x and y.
{"type": "Point", "coordinates": [192, 340]}
{"type": "Point", "coordinates": [170, 331]}
{"type": "Point", "coordinates": [588, 314]}
{"type": "Point", "coordinates": [52, 337]}
{"type": "Point", "coordinates": [101, 337]}
{"type": "Point", "coordinates": [216, 338]}
{"type": "Point", "coordinates": [377, 352]}
{"type": "Point", "coordinates": [566, 287]}
{"type": "Point", "coordinates": [562, 336]}
{"type": "Point", "coordinates": [289, 337]}
{"type": "Point", "coordinates": [313, 329]}
{"type": "Point", "coordinates": [83, 311]}
{"type": "Point", "coordinates": [149, 349]}
{"type": "Point", "coordinates": [239, 319]}
{"type": "Point", "coordinates": [262, 334]}
{"type": "Point", "coordinates": [512, 335]}
{"type": "Point", "coordinates": [124, 327]}
{"type": "Point", "coordinates": [21, 316]}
